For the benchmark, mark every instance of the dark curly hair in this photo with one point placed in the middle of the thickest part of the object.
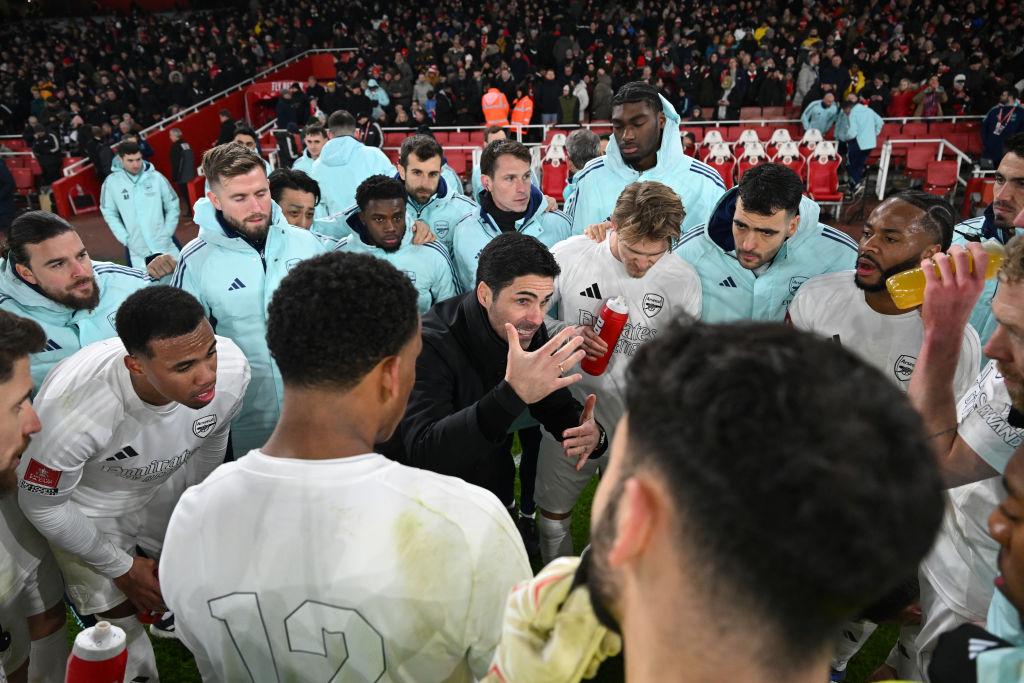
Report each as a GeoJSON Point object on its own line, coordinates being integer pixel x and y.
{"type": "Point", "coordinates": [334, 317]}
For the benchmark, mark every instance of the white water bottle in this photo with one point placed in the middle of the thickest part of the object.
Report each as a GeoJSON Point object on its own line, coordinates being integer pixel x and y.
{"type": "Point", "coordinates": [100, 655]}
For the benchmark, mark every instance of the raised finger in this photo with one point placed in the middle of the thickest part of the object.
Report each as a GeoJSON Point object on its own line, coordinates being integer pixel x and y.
{"type": "Point", "coordinates": [557, 340]}
{"type": "Point", "coordinates": [945, 267]}
{"type": "Point", "coordinates": [570, 354]}
{"type": "Point", "coordinates": [979, 258]}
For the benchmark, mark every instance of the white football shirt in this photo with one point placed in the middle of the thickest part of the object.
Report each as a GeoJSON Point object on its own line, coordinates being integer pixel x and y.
{"type": "Point", "coordinates": [354, 568]}
{"type": "Point", "coordinates": [590, 275]}
{"type": "Point", "coordinates": [831, 305]}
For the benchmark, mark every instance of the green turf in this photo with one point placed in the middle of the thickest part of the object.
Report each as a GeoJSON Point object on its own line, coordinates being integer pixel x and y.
{"type": "Point", "coordinates": [177, 666]}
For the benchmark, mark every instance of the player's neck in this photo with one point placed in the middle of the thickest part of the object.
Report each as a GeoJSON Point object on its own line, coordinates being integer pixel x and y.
{"type": "Point", "coordinates": [145, 391]}
{"type": "Point", "coordinates": [322, 425]}
{"type": "Point", "coordinates": [881, 302]}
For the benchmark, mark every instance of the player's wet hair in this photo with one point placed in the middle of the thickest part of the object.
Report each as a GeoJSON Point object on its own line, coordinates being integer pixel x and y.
{"type": "Point", "coordinates": [379, 187]}
{"type": "Point", "coordinates": [334, 317]}
{"type": "Point", "coordinates": [803, 485]}
{"type": "Point", "coordinates": [156, 312]}
{"type": "Point", "coordinates": [498, 148]}
{"type": "Point", "coordinates": [648, 210]}
{"type": "Point", "coordinates": [1012, 270]}
{"type": "Point", "coordinates": [32, 227]}
{"type": "Point", "coordinates": [638, 91]}
{"type": "Point", "coordinates": [511, 255]}
{"type": "Point", "coordinates": [768, 188]}
{"type": "Point", "coordinates": [282, 179]}
{"type": "Point", "coordinates": [581, 146]}
{"type": "Point", "coordinates": [18, 338]}
{"type": "Point", "coordinates": [424, 147]}
{"type": "Point", "coordinates": [938, 218]}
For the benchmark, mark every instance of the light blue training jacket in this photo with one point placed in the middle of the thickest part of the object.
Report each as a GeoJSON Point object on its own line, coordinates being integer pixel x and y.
{"type": "Point", "coordinates": [142, 212]}
{"type": "Point", "coordinates": [344, 163]}
{"type": "Point", "coordinates": [601, 181]}
{"type": "Point", "coordinates": [732, 292]}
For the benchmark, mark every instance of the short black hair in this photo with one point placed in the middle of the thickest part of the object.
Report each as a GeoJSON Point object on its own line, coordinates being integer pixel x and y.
{"type": "Point", "coordinates": [340, 122]}
{"type": "Point", "coordinates": [1014, 145]}
{"type": "Point", "coordinates": [379, 187]}
{"type": "Point", "coordinates": [638, 91]}
{"type": "Point", "coordinates": [938, 218]}
{"type": "Point", "coordinates": [126, 147]}
{"type": "Point", "coordinates": [32, 227]}
{"type": "Point", "coordinates": [511, 255]}
{"type": "Point", "coordinates": [334, 317]}
{"type": "Point", "coordinates": [243, 128]}
{"type": "Point", "coordinates": [282, 179]}
{"type": "Point", "coordinates": [751, 426]}
{"type": "Point", "coordinates": [768, 188]}
{"type": "Point", "coordinates": [156, 312]}
{"type": "Point", "coordinates": [425, 147]}
{"type": "Point", "coordinates": [18, 338]}
{"type": "Point", "coordinates": [497, 148]}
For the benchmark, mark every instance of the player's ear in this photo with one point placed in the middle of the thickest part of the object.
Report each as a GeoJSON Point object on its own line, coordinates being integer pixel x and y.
{"type": "Point", "coordinates": [133, 365]}
{"type": "Point", "coordinates": [484, 294]}
{"type": "Point", "coordinates": [637, 515]}
{"type": "Point", "coordinates": [26, 274]}
{"type": "Point", "coordinates": [390, 386]}
{"type": "Point", "coordinates": [930, 251]}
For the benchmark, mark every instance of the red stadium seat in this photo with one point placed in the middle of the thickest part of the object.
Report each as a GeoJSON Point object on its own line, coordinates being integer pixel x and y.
{"type": "Point", "coordinates": [941, 129]}
{"type": "Point", "coordinates": [394, 139]}
{"type": "Point", "coordinates": [968, 127]}
{"type": "Point", "coordinates": [458, 139]}
{"type": "Point", "coordinates": [979, 194]}
{"type": "Point", "coordinates": [914, 129]}
{"type": "Point", "coordinates": [823, 178]}
{"type": "Point", "coordinates": [476, 138]}
{"type": "Point", "coordinates": [918, 158]}
{"type": "Point", "coordinates": [773, 112]}
{"type": "Point", "coordinates": [940, 177]}
{"type": "Point", "coordinates": [33, 165]}
{"type": "Point", "coordinates": [441, 136]}
{"type": "Point", "coordinates": [753, 154]}
{"type": "Point", "coordinates": [457, 160]}
{"type": "Point", "coordinates": [794, 162]}
{"type": "Point", "coordinates": [721, 159]}
{"type": "Point", "coordinates": [748, 113]}
{"type": "Point", "coordinates": [24, 183]}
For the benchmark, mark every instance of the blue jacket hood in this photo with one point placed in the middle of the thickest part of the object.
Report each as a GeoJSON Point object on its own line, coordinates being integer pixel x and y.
{"type": "Point", "coordinates": [211, 230]}
{"type": "Point", "coordinates": [719, 226]}
{"type": "Point", "coordinates": [669, 152]}
{"type": "Point", "coordinates": [536, 201]}
{"type": "Point", "coordinates": [340, 151]}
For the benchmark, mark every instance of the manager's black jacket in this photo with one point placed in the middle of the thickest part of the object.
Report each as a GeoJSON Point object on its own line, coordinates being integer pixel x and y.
{"type": "Point", "coordinates": [461, 407]}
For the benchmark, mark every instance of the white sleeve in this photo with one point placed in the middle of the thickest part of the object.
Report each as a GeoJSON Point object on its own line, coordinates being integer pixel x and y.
{"type": "Point", "coordinates": [65, 525]}
{"type": "Point", "coordinates": [984, 426]}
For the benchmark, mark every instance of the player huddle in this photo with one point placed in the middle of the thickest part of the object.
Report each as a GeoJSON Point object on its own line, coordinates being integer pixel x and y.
{"type": "Point", "coordinates": [768, 493]}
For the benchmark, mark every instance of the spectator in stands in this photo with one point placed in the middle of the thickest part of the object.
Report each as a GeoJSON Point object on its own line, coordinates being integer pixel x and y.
{"type": "Point", "coordinates": [46, 149]}
{"type": "Point", "coordinates": [141, 209]}
{"type": "Point", "coordinates": [808, 78]}
{"type": "Point", "coordinates": [297, 194]}
{"type": "Point", "coordinates": [183, 163]}
{"type": "Point", "coordinates": [284, 111]}
{"type": "Point", "coordinates": [547, 98]}
{"type": "Point", "coordinates": [878, 94]}
{"type": "Point", "coordinates": [495, 107]}
{"type": "Point", "coordinates": [581, 146]}
{"type": "Point", "coordinates": [7, 209]}
{"type": "Point", "coordinates": [929, 100]}
{"type": "Point", "coordinates": [821, 114]}
{"type": "Point", "coordinates": [370, 132]}
{"type": "Point", "coordinates": [568, 108]}
{"type": "Point", "coordinates": [901, 104]}
{"type": "Point", "coordinates": [858, 126]}
{"type": "Point", "coordinates": [379, 97]}
{"type": "Point", "coordinates": [1001, 121]}
{"type": "Point", "coordinates": [344, 162]}
{"type": "Point", "coordinates": [227, 127]}
{"type": "Point", "coordinates": [314, 138]}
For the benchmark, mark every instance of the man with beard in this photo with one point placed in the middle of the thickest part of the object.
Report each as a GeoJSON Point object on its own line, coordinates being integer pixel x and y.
{"type": "Point", "coordinates": [996, 224]}
{"type": "Point", "coordinates": [431, 199]}
{"type": "Point", "coordinates": [762, 242]}
{"type": "Point", "coordinates": [31, 589]}
{"type": "Point", "coordinates": [245, 246]}
{"type": "Point", "coordinates": [856, 311]}
{"type": "Point", "coordinates": [127, 424]}
{"type": "Point", "coordinates": [378, 221]}
{"type": "Point", "coordinates": [46, 275]}
{"type": "Point", "coordinates": [635, 264]}
{"type": "Point", "coordinates": [646, 146]}
{"type": "Point", "coordinates": [681, 563]}
{"type": "Point", "coordinates": [821, 114]}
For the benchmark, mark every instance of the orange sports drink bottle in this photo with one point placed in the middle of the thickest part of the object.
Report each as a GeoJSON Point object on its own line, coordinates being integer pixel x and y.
{"type": "Point", "coordinates": [907, 288]}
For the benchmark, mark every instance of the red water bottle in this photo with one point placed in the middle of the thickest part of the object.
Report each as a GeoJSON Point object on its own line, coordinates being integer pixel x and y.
{"type": "Point", "coordinates": [608, 327]}
{"type": "Point", "coordinates": [100, 654]}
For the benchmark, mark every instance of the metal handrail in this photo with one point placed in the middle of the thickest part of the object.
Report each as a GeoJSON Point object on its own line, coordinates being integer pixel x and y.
{"type": "Point", "coordinates": [885, 159]}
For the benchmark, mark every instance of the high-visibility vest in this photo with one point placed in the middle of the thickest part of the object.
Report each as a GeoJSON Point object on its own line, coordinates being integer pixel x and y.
{"type": "Point", "coordinates": [523, 112]}
{"type": "Point", "coordinates": [495, 106]}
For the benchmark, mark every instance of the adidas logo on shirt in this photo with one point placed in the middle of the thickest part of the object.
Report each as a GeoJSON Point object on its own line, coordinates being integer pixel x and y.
{"type": "Point", "coordinates": [51, 345]}
{"type": "Point", "coordinates": [975, 646]}
{"type": "Point", "coordinates": [126, 452]}
{"type": "Point", "coordinates": [592, 292]}
{"type": "Point", "coordinates": [727, 282]}
{"type": "Point", "coordinates": [237, 284]}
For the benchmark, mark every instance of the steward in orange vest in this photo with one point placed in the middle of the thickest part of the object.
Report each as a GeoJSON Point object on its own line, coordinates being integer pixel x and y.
{"type": "Point", "coordinates": [495, 106]}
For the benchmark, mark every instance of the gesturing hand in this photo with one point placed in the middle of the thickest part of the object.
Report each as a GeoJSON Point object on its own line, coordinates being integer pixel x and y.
{"type": "Point", "coordinates": [598, 231]}
{"type": "Point", "coordinates": [421, 233]}
{"type": "Point", "coordinates": [535, 374]}
{"type": "Point", "coordinates": [581, 441]}
{"type": "Point", "coordinates": [162, 265]}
